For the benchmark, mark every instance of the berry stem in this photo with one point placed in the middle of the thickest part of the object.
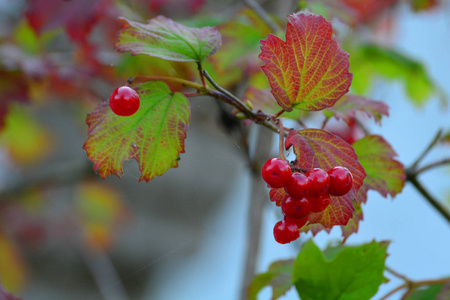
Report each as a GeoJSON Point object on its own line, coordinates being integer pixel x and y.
{"type": "Point", "coordinates": [281, 140]}
{"type": "Point", "coordinates": [278, 114]}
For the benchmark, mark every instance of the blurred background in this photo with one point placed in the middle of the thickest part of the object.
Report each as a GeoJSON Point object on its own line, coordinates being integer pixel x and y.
{"type": "Point", "coordinates": [65, 233]}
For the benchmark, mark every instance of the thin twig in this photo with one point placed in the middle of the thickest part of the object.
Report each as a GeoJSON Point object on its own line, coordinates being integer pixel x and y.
{"type": "Point", "coordinates": [432, 165]}
{"type": "Point", "coordinates": [395, 273]}
{"type": "Point", "coordinates": [263, 15]}
{"type": "Point", "coordinates": [325, 122]}
{"type": "Point", "coordinates": [300, 122]}
{"type": "Point", "coordinates": [182, 82]}
{"type": "Point", "coordinates": [223, 94]}
{"type": "Point", "coordinates": [425, 152]}
{"type": "Point", "coordinates": [238, 101]}
{"type": "Point", "coordinates": [403, 286]}
{"type": "Point", "coordinates": [434, 202]}
{"type": "Point", "coordinates": [200, 71]}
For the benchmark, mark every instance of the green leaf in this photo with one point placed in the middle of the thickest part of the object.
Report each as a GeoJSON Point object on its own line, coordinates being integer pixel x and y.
{"type": "Point", "coordinates": [369, 61]}
{"type": "Point", "coordinates": [384, 173]}
{"type": "Point", "coordinates": [161, 37]}
{"type": "Point", "coordinates": [279, 277]}
{"type": "Point", "coordinates": [432, 291]}
{"type": "Point", "coordinates": [309, 70]}
{"type": "Point", "coordinates": [153, 136]}
{"type": "Point", "coordinates": [355, 273]}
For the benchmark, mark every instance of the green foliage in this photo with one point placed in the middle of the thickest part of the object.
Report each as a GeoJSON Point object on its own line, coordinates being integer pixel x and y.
{"type": "Point", "coordinates": [371, 61]}
{"type": "Point", "coordinates": [161, 37]}
{"type": "Point", "coordinates": [354, 272]}
{"type": "Point", "coordinates": [384, 173]}
{"type": "Point", "coordinates": [279, 277]}
{"type": "Point", "coordinates": [154, 135]}
{"type": "Point", "coordinates": [432, 291]}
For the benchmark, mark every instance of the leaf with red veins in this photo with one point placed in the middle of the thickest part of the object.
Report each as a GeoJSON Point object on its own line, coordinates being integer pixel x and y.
{"type": "Point", "coordinates": [353, 224]}
{"type": "Point", "coordinates": [348, 105]}
{"type": "Point", "coordinates": [277, 195]}
{"type": "Point", "coordinates": [161, 37]}
{"type": "Point", "coordinates": [315, 148]}
{"type": "Point", "coordinates": [385, 174]}
{"type": "Point", "coordinates": [78, 17]}
{"type": "Point", "coordinates": [309, 71]}
{"type": "Point", "coordinates": [154, 136]}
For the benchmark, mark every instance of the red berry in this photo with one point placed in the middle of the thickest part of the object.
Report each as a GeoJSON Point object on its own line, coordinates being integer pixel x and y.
{"type": "Point", "coordinates": [276, 172]}
{"type": "Point", "coordinates": [298, 186]}
{"type": "Point", "coordinates": [285, 232]}
{"type": "Point", "coordinates": [341, 181]}
{"type": "Point", "coordinates": [299, 222]}
{"type": "Point", "coordinates": [319, 204]}
{"type": "Point", "coordinates": [124, 101]}
{"type": "Point", "coordinates": [319, 180]}
{"type": "Point", "coordinates": [295, 208]}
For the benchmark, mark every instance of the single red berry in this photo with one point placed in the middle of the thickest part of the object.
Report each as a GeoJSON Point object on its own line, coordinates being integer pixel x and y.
{"type": "Point", "coordinates": [341, 181]}
{"type": "Point", "coordinates": [298, 186]}
{"type": "Point", "coordinates": [285, 232]}
{"type": "Point", "coordinates": [276, 172]}
{"type": "Point", "coordinates": [319, 180]}
{"type": "Point", "coordinates": [124, 101]}
{"type": "Point", "coordinates": [295, 208]}
{"type": "Point", "coordinates": [319, 204]}
{"type": "Point", "coordinates": [299, 222]}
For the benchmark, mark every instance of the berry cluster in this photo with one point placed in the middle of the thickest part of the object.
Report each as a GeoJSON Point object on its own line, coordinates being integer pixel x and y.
{"type": "Point", "coordinates": [124, 101]}
{"type": "Point", "coordinates": [305, 193]}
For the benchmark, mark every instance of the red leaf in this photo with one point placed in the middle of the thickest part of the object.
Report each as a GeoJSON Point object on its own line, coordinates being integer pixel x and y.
{"type": "Point", "coordinates": [353, 224]}
{"type": "Point", "coordinates": [309, 71]}
{"type": "Point", "coordinates": [277, 195]}
{"type": "Point", "coordinates": [348, 105]}
{"type": "Point", "coordinates": [315, 148]}
{"type": "Point", "coordinates": [78, 17]}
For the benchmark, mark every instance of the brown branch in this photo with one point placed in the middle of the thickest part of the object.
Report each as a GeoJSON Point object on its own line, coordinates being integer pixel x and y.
{"type": "Point", "coordinates": [403, 286]}
{"type": "Point", "coordinates": [432, 165]}
{"type": "Point", "coordinates": [434, 202]}
{"type": "Point", "coordinates": [425, 152]}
